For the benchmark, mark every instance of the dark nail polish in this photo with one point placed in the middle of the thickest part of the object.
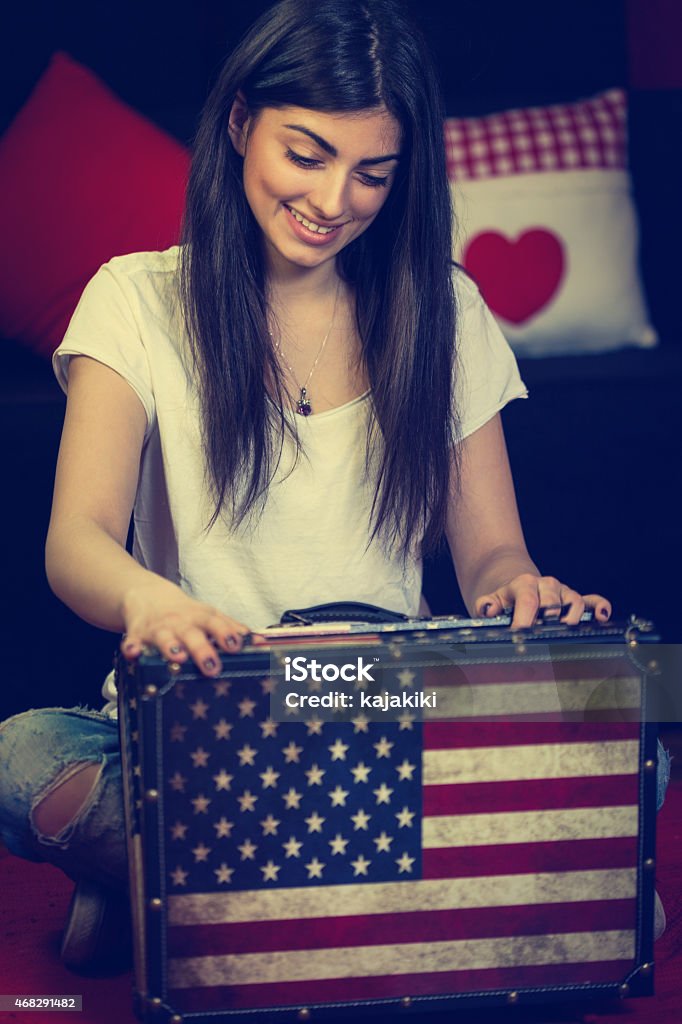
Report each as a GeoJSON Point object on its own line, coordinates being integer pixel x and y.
{"type": "Point", "coordinates": [175, 649]}
{"type": "Point", "coordinates": [485, 609]}
{"type": "Point", "coordinates": [210, 664]}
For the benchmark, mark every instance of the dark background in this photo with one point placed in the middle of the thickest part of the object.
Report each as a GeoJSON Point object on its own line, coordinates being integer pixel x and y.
{"type": "Point", "coordinates": [595, 452]}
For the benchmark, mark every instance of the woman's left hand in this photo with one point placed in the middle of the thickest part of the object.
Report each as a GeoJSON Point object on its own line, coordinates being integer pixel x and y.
{"type": "Point", "coordinates": [526, 593]}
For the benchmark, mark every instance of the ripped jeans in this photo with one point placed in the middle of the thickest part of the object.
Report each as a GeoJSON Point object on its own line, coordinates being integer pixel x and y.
{"type": "Point", "coordinates": [40, 749]}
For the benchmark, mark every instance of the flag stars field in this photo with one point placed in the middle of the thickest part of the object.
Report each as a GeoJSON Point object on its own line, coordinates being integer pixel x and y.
{"type": "Point", "coordinates": [315, 868]}
{"type": "Point", "coordinates": [405, 818]}
{"type": "Point", "coordinates": [338, 797]}
{"type": "Point", "coordinates": [201, 852]}
{"type": "Point", "coordinates": [338, 750]}
{"type": "Point", "coordinates": [247, 850]}
{"type": "Point", "coordinates": [269, 825]}
{"type": "Point", "coordinates": [292, 799]}
{"type": "Point", "coordinates": [178, 830]}
{"type": "Point", "coordinates": [200, 804]}
{"type": "Point", "coordinates": [247, 755]}
{"type": "Point", "coordinates": [222, 729]}
{"type": "Point", "coordinates": [383, 747]}
{"type": "Point", "coordinates": [314, 775]}
{"type": "Point", "coordinates": [223, 828]}
{"type": "Point", "coordinates": [383, 794]}
{"type": "Point", "coordinates": [383, 843]}
{"type": "Point", "coordinates": [315, 822]}
{"type": "Point", "coordinates": [200, 757]}
{"type": "Point", "coordinates": [361, 820]}
{"type": "Point", "coordinates": [361, 772]}
{"type": "Point", "coordinates": [314, 826]}
{"type": "Point", "coordinates": [246, 707]}
{"type": "Point", "coordinates": [269, 777]}
{"type": "Point", "coordinates": [223, 780]}
{"type": "Point", "coordinates": [292, 753]}
{"type": "Point", "coordinates": [338, 844]}
{"type": "Point", "coordinates": [223, 874]}
{"type": "Point", "coordinates": [292, 847]}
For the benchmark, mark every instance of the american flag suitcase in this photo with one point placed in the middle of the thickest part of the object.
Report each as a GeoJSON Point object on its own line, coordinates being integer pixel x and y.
{"type": "Point", "coordinates": [312, 864]}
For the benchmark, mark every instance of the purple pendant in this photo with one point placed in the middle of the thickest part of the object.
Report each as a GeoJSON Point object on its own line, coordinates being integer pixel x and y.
{"type": "Point", "coordinates": [303, 406]}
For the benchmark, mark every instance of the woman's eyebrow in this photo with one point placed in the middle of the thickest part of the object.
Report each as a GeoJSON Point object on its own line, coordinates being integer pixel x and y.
{"type": "Point", "coordinates": [328, 148]}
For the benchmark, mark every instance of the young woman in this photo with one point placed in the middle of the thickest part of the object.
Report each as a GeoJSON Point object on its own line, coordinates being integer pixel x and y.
{"type": "Point", "coordinates": [295, 405]}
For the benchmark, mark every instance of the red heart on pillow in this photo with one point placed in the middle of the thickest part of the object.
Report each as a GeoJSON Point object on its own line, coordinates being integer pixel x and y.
{"type": "Point", "coordinates": [518, 277]}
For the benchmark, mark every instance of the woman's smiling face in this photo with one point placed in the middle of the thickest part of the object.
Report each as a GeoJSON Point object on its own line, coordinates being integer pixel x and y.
{"type": "Point", "coordinates": [315, 181]}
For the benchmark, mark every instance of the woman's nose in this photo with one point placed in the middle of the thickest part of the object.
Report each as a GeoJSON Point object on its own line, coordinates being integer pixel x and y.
{"type": "Point", "coordinates": [329, 200]}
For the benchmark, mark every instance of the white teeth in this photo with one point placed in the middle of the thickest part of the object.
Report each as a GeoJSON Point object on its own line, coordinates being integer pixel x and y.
{"type": "Point", "coordinates": [310, 225]}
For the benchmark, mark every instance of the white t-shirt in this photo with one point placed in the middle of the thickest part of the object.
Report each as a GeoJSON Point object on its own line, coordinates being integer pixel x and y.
{"type": "Point", "coordinates": [310, 544]}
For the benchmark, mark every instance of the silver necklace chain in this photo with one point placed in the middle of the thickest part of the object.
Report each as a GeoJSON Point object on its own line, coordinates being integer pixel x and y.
{"type": "Point", "coordinates": [303, 405]}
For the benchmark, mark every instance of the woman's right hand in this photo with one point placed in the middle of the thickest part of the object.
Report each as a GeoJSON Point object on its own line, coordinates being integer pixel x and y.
{"type": "Point", "coordinates": [160, 614]}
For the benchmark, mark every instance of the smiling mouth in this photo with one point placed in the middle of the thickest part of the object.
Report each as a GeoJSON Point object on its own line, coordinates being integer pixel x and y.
{"type": "Point", "coordinates": [311, 225]}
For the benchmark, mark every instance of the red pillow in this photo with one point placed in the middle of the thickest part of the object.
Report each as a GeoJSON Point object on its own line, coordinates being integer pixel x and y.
{"type": "Point", "coordinates": [83, 177]}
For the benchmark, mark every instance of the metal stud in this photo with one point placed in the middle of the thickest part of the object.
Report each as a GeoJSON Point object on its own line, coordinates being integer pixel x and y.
{"type": "Point", "coordinates": [176, 1019]}
{"type": "Point", "coordinates": [155, 903]}
{"type": "Point", "coordinates": [406, 1002]}
{"type": "Point", "coordinates": [174, 668]}
{"type": "Point", "coordinates": [512, 997]}
{"type": "Point", "coordinates": [151, 796]}
{"type": "Point", "coordinates": [156, 1003]}
{"type": "Point", "coordinates": [151, 690]}
{"type": "Point", "coordinates": [624, 990]}
{"type": "Point", "coordinates": [649, 765]}
{"type": "Point", "coordinates": [649, 864]}
{"type": "Point", "coordinates": [646, 968]}
{"type": "Point", "coordinates": [303, 1014]}
{"type": "Point", "coordinates": [653, 665]}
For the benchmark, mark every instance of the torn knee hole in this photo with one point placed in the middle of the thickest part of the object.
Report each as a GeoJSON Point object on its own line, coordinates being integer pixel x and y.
{"type": "Point", "coordinates": [66, 798]}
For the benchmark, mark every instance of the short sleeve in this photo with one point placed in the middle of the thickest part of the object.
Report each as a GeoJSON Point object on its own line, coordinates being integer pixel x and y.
{"type": "Point", "coordinates": [486, 374]}
{"type": "Point", "coordinates": [103, 327]}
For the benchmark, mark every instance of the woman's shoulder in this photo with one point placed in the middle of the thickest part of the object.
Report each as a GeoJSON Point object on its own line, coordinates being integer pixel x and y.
{"type": "Point", "coordinates": [138, 266]}
{"type": "Point", "coordinates": [466, 290]}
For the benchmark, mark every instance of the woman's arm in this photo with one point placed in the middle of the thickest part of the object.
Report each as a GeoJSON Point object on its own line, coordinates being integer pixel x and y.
{"type": "Point", "coordinates": [86, 561]}
{"type": "Point", "coordinates": [486, 541]}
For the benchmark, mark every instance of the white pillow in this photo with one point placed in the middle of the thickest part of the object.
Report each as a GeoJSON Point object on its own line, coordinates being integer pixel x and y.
{"type": "Point", "coordinates": [547, 226]}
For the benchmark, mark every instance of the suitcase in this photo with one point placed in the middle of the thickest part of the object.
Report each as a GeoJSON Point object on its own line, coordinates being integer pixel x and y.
{"type": "Point", "coordinates": [475, 828]}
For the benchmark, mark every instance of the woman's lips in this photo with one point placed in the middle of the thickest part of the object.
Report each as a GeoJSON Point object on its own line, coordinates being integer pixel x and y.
{"type": "Point", "coordinates": [306, 234]}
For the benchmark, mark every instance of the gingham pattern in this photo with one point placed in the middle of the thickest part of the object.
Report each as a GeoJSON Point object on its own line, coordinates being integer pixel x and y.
{"type": "Point", "coordinates": [589, 134]}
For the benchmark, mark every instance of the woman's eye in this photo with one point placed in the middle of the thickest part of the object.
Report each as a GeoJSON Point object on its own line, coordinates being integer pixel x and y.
{"type": "Point", "coordinates": [301, 161]}
{"type": "Point", "coordinates": [374, 182]}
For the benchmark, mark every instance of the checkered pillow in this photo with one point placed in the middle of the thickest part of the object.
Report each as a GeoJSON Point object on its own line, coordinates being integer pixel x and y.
{"type": "Point", "coordinates": [547, 225]}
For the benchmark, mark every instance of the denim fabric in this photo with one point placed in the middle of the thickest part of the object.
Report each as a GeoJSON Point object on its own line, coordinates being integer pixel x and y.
{"type": "Point", "coordinates": [39, 747]}
{"type": "Point", "coordinates": [36, 749]}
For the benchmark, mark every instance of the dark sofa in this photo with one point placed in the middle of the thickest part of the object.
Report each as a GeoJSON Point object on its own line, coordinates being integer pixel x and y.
{"type": "Point", "coordinates": [594, 451]}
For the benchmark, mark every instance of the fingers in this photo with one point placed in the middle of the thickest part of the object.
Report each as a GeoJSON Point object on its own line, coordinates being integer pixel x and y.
{"type": "Point", "coordinates": [601, 607]}
{"type": "Point", "coordinates": [198, 634]}
{"type": "Point", "coordinates": [527, 594]}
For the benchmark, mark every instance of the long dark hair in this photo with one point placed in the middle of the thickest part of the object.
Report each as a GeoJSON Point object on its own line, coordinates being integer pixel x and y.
{"type": "Point", "coordinates": [334, 56]}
